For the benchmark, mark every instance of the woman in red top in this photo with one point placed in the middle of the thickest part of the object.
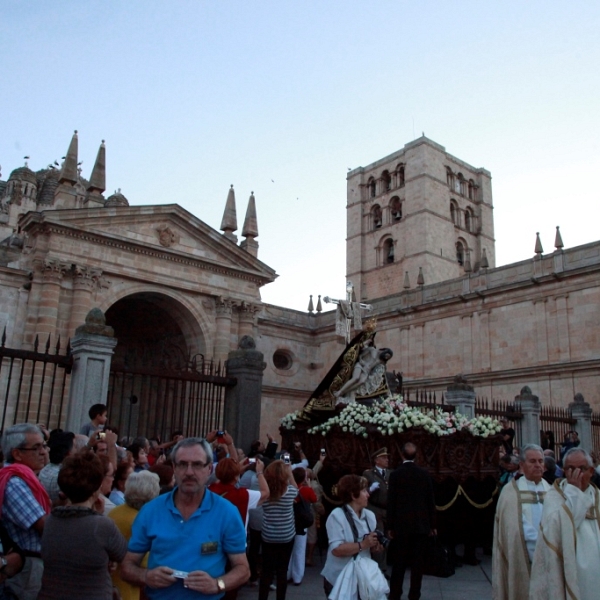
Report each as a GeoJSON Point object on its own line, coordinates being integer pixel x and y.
{"type": "Point", "coordinates": [298, 558]}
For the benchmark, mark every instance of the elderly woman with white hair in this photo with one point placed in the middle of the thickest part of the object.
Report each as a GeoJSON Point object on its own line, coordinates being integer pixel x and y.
{"type": "Point", "coordinates": [140, 488]}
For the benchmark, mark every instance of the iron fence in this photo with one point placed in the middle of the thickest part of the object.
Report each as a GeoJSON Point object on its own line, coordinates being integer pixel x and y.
{"type": "Point", "coordinates": [34, 384]}
{"type": "Point", "coordinates": [156, 402]}
{"type": "Point", "coordinates": [596, 432]}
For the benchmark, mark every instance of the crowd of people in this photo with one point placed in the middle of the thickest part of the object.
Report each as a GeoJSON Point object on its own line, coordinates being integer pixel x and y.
{"type": "Point", "coordinates": [90, 515]}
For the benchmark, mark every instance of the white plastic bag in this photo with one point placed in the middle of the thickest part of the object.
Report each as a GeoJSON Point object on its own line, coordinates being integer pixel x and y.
{"type": "Point", "coordinates": [346, 585]}
{"type": "Point", "coordinates": [372, 584]}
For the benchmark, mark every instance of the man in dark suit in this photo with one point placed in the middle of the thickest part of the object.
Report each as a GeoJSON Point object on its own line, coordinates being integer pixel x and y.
{"type": "Point", "coordinates": [378, 478]}
{"type": "Point", "coordinates": [411, 520]}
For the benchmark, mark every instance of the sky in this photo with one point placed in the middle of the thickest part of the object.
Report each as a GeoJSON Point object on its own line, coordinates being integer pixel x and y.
{"type": "Point", "coordinates": [282, 98]}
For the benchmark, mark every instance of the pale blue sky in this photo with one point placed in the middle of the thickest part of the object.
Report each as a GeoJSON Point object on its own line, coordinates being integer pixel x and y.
{"type": "Point", "coordinates": [194, 96]}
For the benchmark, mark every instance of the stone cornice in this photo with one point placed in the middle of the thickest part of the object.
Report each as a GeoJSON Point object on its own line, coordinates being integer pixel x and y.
{"type": "Point", "coordinates": [159, 253]}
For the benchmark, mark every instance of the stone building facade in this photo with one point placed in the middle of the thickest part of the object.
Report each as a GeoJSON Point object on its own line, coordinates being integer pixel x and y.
{"type": "Point", "coordinates": [420, 249]}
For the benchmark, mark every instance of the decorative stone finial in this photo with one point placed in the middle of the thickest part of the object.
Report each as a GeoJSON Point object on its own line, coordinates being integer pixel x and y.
{"type": "Point", "coordinates": [406, 285]}
{"type": "Point", "coordinates": [484, 260]}
{"type": "Point", "coordinates": [538, 245]}
{"type": "Point", "coordinates": [229, 221]}
{"type": "Point", "coordinates": [68, 172]}
{"type": "Point", "coordinates": [420, 278]}
{"type": "Point", "coordinates": [95, 324]}
{"type": "Point", "coordinates": [98, 178]}
{"type": "Point", "coordinates": [311, 308]}
{"type": "Point", "coordinates": [467, 266]}
{"type": "Point", "coordinates": [247, 343]}
{"type": "Point", "coordinates": [558, 243]}
{"type": "Point", "coordinates": [319, 305]}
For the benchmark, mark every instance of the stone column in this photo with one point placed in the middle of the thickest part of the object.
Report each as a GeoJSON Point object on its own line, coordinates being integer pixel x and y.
{"type": "Point", "coordinates": [529, 426]}
{"type": "Point", "coordinates": [243, 401]}
{"type": "Point", "coordinates": [53, 271]}
{"type": "Point", "coordinates": [246, 312]}
{"type": "Point", "coordinates": [461, 395]}
{"type": "Point", "coordinates": [92, 347]}
{"type": "Point", "coordinates": [582, 412]}
{"type": "Point", "coordinates": [223, 308]}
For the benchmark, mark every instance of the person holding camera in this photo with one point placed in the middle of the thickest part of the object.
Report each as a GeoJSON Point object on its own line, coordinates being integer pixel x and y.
{"type": "Point", "coordinates": [350, 529]}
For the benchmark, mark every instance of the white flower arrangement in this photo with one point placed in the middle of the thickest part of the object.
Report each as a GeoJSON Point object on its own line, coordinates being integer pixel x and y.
{"type": "Point", "coordinates": [394, 416]}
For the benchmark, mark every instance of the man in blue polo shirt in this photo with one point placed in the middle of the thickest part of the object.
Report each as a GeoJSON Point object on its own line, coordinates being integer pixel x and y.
{"type": "Point", "coordinates": [190, 533]}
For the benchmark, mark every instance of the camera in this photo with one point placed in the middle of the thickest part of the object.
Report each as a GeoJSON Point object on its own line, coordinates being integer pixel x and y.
{"type": "Point", "coordinates": [251, 460]}
{"type": "Point", "coordinates": [381, 538]}
{"type": "Point", "coordinates": [286, 459]}
{"type": "Point", "coordinates": [220, 433]}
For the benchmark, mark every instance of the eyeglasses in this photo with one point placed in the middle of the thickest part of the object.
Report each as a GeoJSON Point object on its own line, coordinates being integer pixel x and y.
{"type": "Point", "coordinates": [196, 466]}
{"type": "Point", "coordinates": [36, 448]}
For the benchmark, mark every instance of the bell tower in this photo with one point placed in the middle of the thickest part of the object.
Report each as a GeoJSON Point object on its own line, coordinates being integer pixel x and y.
{"type": "Point", "coordinates": [419, 215]}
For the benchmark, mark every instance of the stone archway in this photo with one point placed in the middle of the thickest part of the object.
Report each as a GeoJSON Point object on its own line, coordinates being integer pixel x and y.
{"type": "Point", "coordinates": [154, 330]}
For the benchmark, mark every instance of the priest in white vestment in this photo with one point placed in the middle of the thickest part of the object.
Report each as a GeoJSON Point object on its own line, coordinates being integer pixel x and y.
{"type": "Point", "coordinates": [518, 517]}
{"type": "Point", "coordinates": [567, 558]}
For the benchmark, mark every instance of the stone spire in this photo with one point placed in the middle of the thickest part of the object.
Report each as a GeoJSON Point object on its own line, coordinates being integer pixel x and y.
{"type": "Point", "coordinates": [250, 230]}
{"type": "Point", "coordinates": [311, 307]}
{"type": "Point", "coordinates": [468, 262]}
{"type": "Point", "coordinates": [229, 222]}
{"type": "Point", "coordinates": [319, 305]}
{"type": "Point", "coordinates": [406, 285]}
{"type": "Point", "coordinates": [98, 178]}
{"type": "Point", "coordinates": [68, 172]}
{"type": "Point", "coordinates": [558, 243]}
{"type": "Point", "coordinates": [420, 278]}
{"type": "Point", "coordinates": [538, 245]}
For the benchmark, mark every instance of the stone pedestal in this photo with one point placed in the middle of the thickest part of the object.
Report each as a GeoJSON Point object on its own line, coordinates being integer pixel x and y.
{"type": "Point", "coordinates": [243, 401]}
{"type": "Point", "coordinates": [92, 348]}
{"type": "Point", "coordinates": [461, 395]}
{"type": "Point", "coordinates": [582, 412]}
{"type": "Point", "coordinates": [529, 425]}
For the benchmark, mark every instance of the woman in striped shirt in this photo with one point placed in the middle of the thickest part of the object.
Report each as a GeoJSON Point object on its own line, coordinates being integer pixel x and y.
{"type": "Point", "coordinates": [278, 529]}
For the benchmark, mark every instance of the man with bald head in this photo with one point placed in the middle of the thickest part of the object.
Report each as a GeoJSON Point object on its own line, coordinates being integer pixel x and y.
{"type": "Point", "coordinates": [410, 521]}
{"type": "Point", "coordinates": [567, 558]}
{"type": "Point", "coordinates": [518, 517]}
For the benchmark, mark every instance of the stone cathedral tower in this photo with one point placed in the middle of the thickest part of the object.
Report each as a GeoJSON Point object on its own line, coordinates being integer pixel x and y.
{"type": "Point", "coordinates": [418, 216]}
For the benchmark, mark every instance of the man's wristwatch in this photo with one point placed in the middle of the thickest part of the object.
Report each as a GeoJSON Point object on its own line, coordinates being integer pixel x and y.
{"type": "Point", "coordinates": [3, 564]}
{"type": "Point", "coordinates": [220, 585]}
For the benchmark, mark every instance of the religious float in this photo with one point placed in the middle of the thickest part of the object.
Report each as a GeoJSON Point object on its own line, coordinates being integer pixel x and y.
{"type": "Point", "coordinates": [356, 409]}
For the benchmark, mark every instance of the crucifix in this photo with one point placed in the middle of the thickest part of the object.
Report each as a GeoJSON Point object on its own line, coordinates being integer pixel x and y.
{"type": "Point", "coordinates": [347, 311]}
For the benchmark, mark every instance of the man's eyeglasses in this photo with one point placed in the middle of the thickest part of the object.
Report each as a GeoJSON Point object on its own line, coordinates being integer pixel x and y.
{"type": "Point", "coordinates": [36, 448]}
{"type": "Point", "coordinates": [196, 466]}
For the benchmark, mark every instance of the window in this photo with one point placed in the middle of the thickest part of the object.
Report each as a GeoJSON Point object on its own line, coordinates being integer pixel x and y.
{"type": "Point", "coordinates": [400, 175]}
{"type": "Point", "coordinates": [471, 189]}
{"type": "Point", "coordinates": [450, 178]}
{"type": "Point", "coordinates": [388, 251]}
{"type": "Point", "coordinates": [454, 213]}
{"type": "Point", "coordinates": [282, 360]}
{"type": "Point", "coordinates": [468, 220]}
{"type": "Point", "coordinates": [396, 209]}
{"type": "Point", "coordinates": [460, 253]}
{"type": "Point", "coordinates": [461, 185]}
{"type": "Point", "coordinates": [386, 179]}
{"type": "Point", "coordinates": [376, 216]}
{"type": "Point", "coordinates": [372, 188]}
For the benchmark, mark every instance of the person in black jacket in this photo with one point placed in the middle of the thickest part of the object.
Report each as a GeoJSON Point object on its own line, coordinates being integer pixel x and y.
{"type": "Point", "coordinates": [410, 520]}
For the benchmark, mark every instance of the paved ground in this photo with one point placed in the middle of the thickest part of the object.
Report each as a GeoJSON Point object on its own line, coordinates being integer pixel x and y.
{"type": "Point", "coordinates": [469, 582]}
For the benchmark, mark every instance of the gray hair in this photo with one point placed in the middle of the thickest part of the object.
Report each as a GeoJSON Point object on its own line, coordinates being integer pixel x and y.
{"type": "Point", "coordinates": [16, 437]}
{"type": "Point", "coordinates": [80, 442]}
{"type": "Point", "coordinates": [572, 451]}
{"type": "Point", "coordinates": [140, 488]}
{"type": "Point", "coordinates": [193, 441]}
{"type": "Point", "coordinates": [527, 448]}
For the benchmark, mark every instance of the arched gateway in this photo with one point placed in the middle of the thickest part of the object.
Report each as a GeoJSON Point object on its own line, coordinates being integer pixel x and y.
{"type": "Point", "coordinates": [161, 377]}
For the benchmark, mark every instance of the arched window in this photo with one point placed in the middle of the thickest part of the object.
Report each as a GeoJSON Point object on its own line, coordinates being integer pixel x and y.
{"type": "Point", "coordinates": [400, 171]}
{"type": "Point", "coordinates": [388, 251]}
{"type": "Point", "coordinates": [468, 220]}
{"type": "Point", "coordinates": [460, 253]}
{"type": "Point", "coordinates": [461, 185]}
{"type": "Point", "coordinates": [372, 188]}
{"type": "Point", "coordinates": [376, 216]}
{"type": "Point", "coordinates": [471, 189]}
{"type": "Point", "coordinates": [396, 209]}
{"type": "Point", "coordinates": [454, 212]}
{"type": "Point", "coordinates": [386, 179]}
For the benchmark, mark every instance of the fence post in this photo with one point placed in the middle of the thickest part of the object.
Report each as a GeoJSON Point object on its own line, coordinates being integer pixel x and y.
{"type": "Point", "coordinates": [530, 407]}
{"type": "Point", "coordinates": [92, 349]}
{"type": "Point", "coordinates": [462, 396]}
{"type": "Point", "coordinates": [243, 400]}
{"type": "Point", "coordinates": [582, 412]}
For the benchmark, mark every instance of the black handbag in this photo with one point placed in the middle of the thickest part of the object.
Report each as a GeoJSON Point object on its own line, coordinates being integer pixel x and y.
{"type": "Point", "coordinates": [303, 515]}
{"type": "Point", "coordinates": [437, 561]}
